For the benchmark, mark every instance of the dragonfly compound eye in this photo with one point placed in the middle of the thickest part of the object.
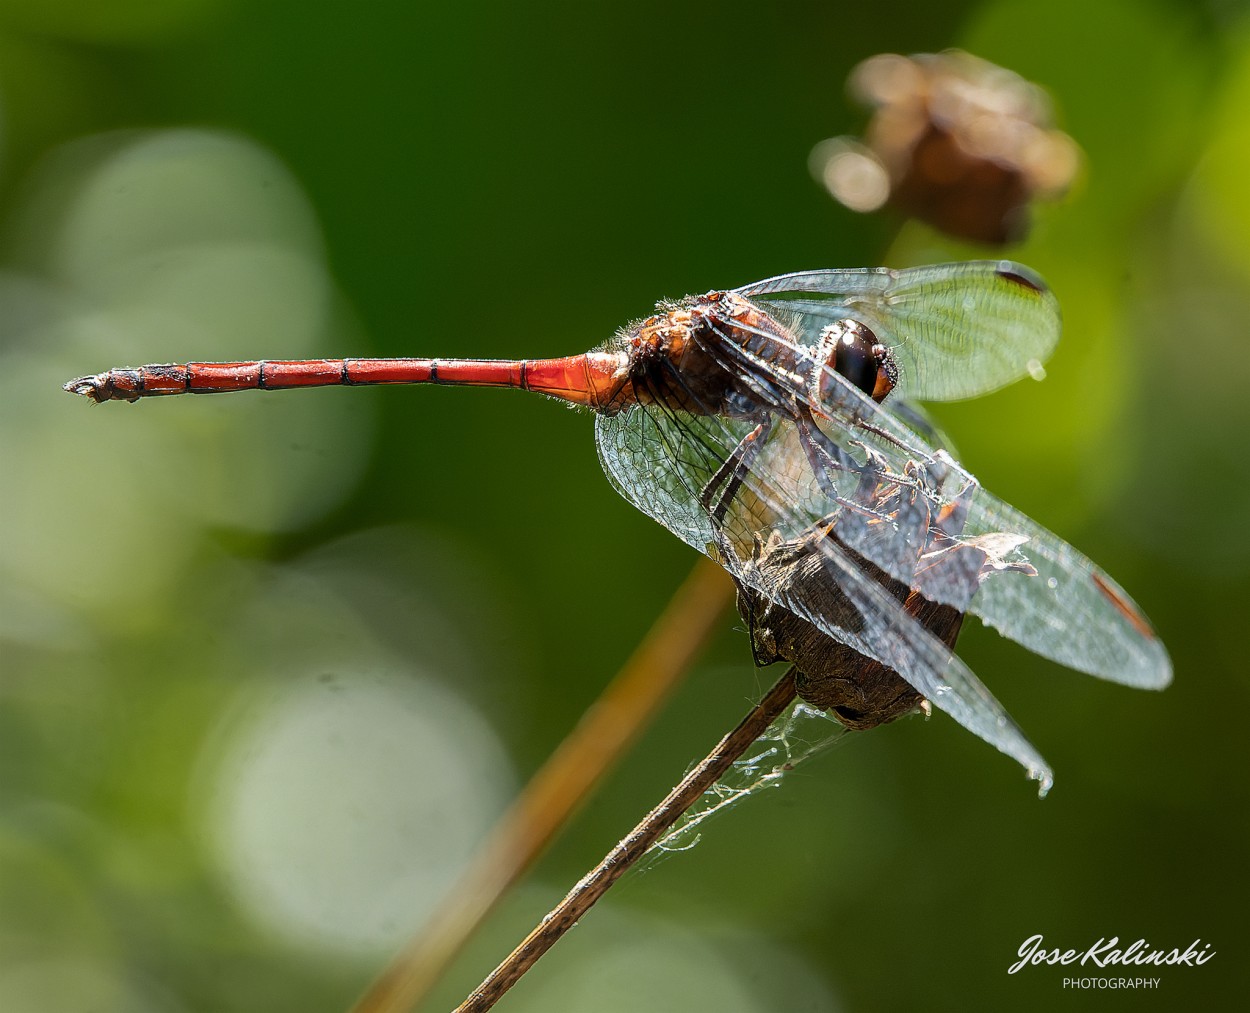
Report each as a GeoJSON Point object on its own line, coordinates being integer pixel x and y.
{"type": "Point", "coordinates": [854, 353]}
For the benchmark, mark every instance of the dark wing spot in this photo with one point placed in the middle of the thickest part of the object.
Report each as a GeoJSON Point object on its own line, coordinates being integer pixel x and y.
{"type": "Point", "coordinates": [1125, 607]}
{"type": "Point", "coordinates": [1021, 276]}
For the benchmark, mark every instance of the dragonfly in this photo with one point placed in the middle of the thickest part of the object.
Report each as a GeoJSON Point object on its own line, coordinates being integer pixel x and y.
{"type": "Point", "coordinates": [776, 427]}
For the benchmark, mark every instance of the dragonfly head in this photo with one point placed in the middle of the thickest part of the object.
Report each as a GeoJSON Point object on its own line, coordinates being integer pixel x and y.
{"type": "Point", "coordinates": [850, 349]}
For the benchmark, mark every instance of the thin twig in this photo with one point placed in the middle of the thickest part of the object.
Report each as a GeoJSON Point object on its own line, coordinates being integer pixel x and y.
{"type": "Point", "coordinates": [596, 883]}
{"type": "Point", "coordinates": [605, 732]}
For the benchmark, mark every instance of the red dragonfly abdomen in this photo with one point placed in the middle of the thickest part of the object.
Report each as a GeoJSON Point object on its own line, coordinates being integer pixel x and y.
{"type": "Point", "coordinates": [691, 358]}
{"type": "Point", "coordinates": [597, 380]}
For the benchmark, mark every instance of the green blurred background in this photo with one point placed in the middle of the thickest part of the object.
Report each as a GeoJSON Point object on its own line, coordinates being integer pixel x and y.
{"type": "Point", "coordinates": [271, 664]}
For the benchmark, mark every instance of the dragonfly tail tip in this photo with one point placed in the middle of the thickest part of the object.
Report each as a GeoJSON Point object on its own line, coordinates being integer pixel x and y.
{"type": "Point", "coordinates": [94, 388]}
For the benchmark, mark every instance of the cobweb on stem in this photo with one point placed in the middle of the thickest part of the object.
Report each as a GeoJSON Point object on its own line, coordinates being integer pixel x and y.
{"type": "Point", "coordinates": [798, 734]}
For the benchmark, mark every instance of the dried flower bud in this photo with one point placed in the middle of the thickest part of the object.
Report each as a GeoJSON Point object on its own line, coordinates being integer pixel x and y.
{"type": "Point", "coordinates": [954, 141]}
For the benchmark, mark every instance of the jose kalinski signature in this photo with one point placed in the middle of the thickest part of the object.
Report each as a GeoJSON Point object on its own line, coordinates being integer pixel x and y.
{"type": "Point", "coordinates": [1109, 952]}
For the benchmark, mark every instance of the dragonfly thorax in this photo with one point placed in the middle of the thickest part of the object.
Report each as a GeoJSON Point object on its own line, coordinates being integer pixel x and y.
{"type": "Point", "coordinates": [713, 354]}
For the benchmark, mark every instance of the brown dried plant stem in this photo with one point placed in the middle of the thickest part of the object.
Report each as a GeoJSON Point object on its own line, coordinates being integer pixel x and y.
{"type": "Point", "coordinates": [605, 732]}
{"type": "Point", "coordinates": [596, 883]}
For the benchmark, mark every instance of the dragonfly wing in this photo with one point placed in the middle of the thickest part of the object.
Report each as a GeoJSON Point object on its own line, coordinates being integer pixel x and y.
{"type": "Point", "coordinates": [955, 330]}
{"type": "Point", "coordinates": [1042, 592]}
{"type": "Point", "coordinates": [1072, 612]}
{"type": "Point", "coordinates": [662, 463]}
{"type": "Point", "coordinates": [658, 469]}
{"type": "Point", "coordinates": [1034, 587]}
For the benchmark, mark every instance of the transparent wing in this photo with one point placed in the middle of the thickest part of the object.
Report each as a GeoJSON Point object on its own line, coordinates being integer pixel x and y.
{"type": "Point", "coordinates": [1042, 593]}
{"type": "Point", "coordinates": [1038, 590]}
{"type": "Point", "coordinates": [955, 330]}
{"type": "Point", "coordinates": [1072, 612]}
{"type": "Point", "coordinates": [663, 461]}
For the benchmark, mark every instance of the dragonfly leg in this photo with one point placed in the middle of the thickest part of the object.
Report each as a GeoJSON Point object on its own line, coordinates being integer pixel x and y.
{"type": "Point", "coordinates": [825, 457]}
{"type": "Point", "coordinates": [881, 501]}
{"type": "Point", "coordinates": [725, 483]}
